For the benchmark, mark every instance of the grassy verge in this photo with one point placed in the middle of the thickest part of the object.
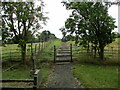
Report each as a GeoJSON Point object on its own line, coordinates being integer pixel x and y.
{"type": "Point", "coordinates": [47, 55]}
{"type": "Point", "coordinates": [96, 76]}
{"type": "Point", "coordinates": [46, 70]}
{"type": "Point", "coordinates": [21, 72]}
{"type": "Point", "coordinates": [18, 72]}
{"type": "Point", "coordinates": [93, 73]}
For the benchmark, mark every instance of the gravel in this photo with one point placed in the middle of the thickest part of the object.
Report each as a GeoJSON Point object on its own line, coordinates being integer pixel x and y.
{"type": "Point", "coordinates": [61, 76]}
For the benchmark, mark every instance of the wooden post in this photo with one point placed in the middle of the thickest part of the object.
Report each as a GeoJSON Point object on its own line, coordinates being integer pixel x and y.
{"type": "Point", "coordinates": [112, 50]}
{"type": "Point", "coordinates": [39, 47]}
{"type": "Point", "coordinates": [35, 81]}
{"type": "Point", "coordinates": [42, 45]}
{"type": "Point", "coordinates": [10, 54]}
{"type": "Point", "coordinates": [35, 48]}
{"type": "Point", "coordinates": [54, 53]}
{"type": "Point", "coordinates": [71, 52]}
{"type": "Point", "coordinates": [32, 58]}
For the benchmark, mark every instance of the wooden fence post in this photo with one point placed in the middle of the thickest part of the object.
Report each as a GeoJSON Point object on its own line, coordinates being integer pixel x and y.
{"type": "Point", "coordinates": [112, 50]}
{"type": "Point", "coordinates": [10, 54]}
{"type": "Point", "coordinates": [35, 48]}
{"type": "Point", "coordinates": [39, 47]}
{"type": "Point", "coordinates": [71, 52]}
{"type": "Point", "coordinates": [32, 58]}
{"type": "Point", "coordinates": [42, 45]}
{"type": "Point", "coordinates": [54, 53]}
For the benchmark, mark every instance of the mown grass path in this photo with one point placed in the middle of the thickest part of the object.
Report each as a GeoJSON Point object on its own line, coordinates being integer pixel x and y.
{"type": "Point", "coordinates": [61, 76]}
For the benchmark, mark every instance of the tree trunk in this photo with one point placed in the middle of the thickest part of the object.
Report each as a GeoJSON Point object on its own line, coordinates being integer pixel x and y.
{"type": "Point", "coordinates": [23, 53]}
{"type": "Point", "coordinates": [101, 53]}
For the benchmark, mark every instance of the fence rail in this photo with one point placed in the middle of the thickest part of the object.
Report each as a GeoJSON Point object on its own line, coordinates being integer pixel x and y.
{"type": "Point", "coordinates": [108, 52]}
{"type": "Point", "coordinates": [11, 54]}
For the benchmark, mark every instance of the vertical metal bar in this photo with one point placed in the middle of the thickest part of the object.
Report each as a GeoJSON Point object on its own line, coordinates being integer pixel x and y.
{"type": "Point", "coordinates": [54, 53]}
{"type": "Point", "coordinates": [71, 52]}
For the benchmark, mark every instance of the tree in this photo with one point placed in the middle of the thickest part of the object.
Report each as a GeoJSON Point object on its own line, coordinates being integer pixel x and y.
{"type": "Point", "coordinates": [46, 36]}
{"type": "Point", "coordinates": [90, 21]}
{"type": "Point", "coordinates": [20, 18]}
{"type": "Point", "coordinates": [30, 38]}
{"type": "Point", "coordinates": [63, 30]}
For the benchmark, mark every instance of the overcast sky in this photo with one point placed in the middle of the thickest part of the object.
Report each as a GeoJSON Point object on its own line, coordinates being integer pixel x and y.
{"type": "Point", "coordinates": [58, 15]}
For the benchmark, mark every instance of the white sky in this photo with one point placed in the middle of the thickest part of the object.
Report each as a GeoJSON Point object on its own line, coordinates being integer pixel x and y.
{"type": "Point", "coordinates": [58, 15]}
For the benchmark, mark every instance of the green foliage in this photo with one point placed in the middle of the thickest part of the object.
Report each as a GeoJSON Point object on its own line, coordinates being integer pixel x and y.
{"type": "Point", "coordinates": [45, 36]}
{"type": "Point", "coordinates": [22, 20]}
{"type": "Point", "coordinates": [25, 14]}
{"type": "Point", "coordinates": [91, 24]}
{"type": "Point", "coordinates": [68, 38]}
{"type": "Point", "coordinates": [63, 30]}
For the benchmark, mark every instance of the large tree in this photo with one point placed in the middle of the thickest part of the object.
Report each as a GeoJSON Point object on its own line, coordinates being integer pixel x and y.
{"type": "Point", "coordinates": [91, 22]}
{"type": "Point", "coordinates": [19, 18]}
{"type": "Point", "coordinates": [46, 36]}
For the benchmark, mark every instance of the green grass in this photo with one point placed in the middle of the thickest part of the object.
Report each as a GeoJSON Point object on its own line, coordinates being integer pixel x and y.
{"type": "Point", "coordinates": [46, 70]}
{"type": "Point", "coordinates": [19, 72]}
{"type": "Point", "coordinates": [13, 52]}
{"type": "Point", "coordinates": [96, 76]}
{"type": "Point", "coordinates": [48, 53]}
{"type": "Point", "coordinates": [94, 73]}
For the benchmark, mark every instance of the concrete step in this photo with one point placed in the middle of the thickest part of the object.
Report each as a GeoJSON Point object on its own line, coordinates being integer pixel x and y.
{"type": "Point", "coordinates": [63, 58]}
{"type": "Point", "coordinates": [63, 55]}
{"type": "Point", "coordinates": [63, 49]}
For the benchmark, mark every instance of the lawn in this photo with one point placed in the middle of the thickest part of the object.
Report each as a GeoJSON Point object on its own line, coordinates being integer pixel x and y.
{"type": "Point", "coordinates": [18, 72]}
{"type": "Point", "coordinates": [23, 72]}
{"type": "Point", "coordinates": [93, 73]}
{"type": "Point", "coordinates": [96, 76]}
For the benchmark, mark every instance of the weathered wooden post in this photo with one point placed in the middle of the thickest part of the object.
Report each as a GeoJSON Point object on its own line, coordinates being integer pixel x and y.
{"type": "Point", "coordinates": [112, 50]}
{"type": "Point", "coordinates": [42, 45]}
{"type": "Point", "coordinates": [37, 78]}
{"type": "Point", "coordinates": [32, 58]}
{"type": "Point", "coordinates": [39, 47]}
{"type": "Point", "coordinates": [35, 48]}
{"type": "Point", "coordinates": [10, 54]}
{"type": "Point", "coordinates": [54, 53]}
{"type": "Point", "coordinates": [71, 52]}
